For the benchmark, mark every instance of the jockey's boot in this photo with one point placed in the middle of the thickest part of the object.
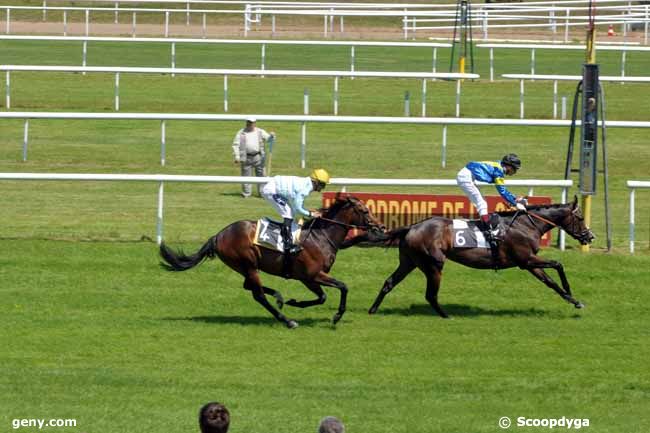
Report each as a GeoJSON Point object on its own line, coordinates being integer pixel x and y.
{"type": "Point", "coordinates": [489, 225]}
{"type": "Point", "coordinates": [287, 239]}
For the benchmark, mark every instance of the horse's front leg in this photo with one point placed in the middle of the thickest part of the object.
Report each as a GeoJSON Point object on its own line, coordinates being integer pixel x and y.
{"type": "Point", "coordinates": [327, 280]}
{"type": "Point", "coordinates": [537, 266]}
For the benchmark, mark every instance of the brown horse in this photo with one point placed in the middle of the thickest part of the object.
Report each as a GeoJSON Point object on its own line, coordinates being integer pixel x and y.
{"type": "Point", "coordinates": [321, 239]}
{"type": "Point", "coordinates": [426, 245]}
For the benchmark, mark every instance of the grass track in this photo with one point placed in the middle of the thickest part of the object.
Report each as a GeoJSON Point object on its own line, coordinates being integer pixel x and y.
{"type": "Point", "coordinates": [97, 332]}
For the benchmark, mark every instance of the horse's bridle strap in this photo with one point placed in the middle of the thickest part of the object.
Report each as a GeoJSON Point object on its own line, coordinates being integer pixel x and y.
{"type": "Point", "coordinates": [350, 226]}
{"type": "Point", "coordinates": [542, 219]}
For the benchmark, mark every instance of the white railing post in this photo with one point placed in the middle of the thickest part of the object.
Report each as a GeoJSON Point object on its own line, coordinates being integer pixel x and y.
{"type": "Point", "coordinates": [623, 55]}
{"type": "Point", "coordinates": [566, 26]}
{"type": "Point", "coordinates": [532, 62]}
{"type": "Point", "coordinates": [352, 60]}
{"type": "Point", "coordinates": [8, 90]}
{"type": "Point", "coordinates": [225, 93]}
{"type": "Point", "coordinates": [336, 96]}
{"type": "Point", "coordinates": [87, 22]}
{"type": "Point", "coordinates": [424, 97]}
{"type": "Point", "coordinates": [458, 98]}
{"type": "Point", "coordinates": [632, 204]}
{"type": "Point", "coordinates": [117, 5]}
{"type": "Point", "coordinates": [65, 23]}
{"type": "Point", "coordinates": [173, 58]}
{"type": "Point", "coordinates": [303, 130]}
{"type": "Point", "coordinates": [554, 99]}
{"type": "Point", "coordinates": [44, 10]}
{"type": "Point", "coordinates": [166, 24]}
{"type": "Point", "coordinates": [133, 24]}
{"type": "Point", "coordinates": [84, 55]}
{"type": "Point", "coordinates": [159, 214]}
{"type": "Point", "coordinates": [491, 64]}
{"type": "Point", "coordinates": [563, 107]}
{"type": "Point", "coordinates": [435, 59]}
{"type": "Point", "coordinates": [204, 25]}
{"type": "Point", "coordinates": [117, 91]}
{"type": "Point", "coordinates": [163, 142]}
{"type": "Point", "coordinates": [444, 146]}
{"type": "Point", "coordinates": [187, 15]}
{"type": "Point", "coordinates": [645, 26]}
{"type": "Point", "coordinates": [521, 99]}
{"type": "Point", "coordinates": [273, 25]}
{"type": "Point", "coordinates": [8, 25]}
{"type": "Point", "coordinates": [562, 233]}
{"type": "Point", "coordinates": [25, 139]}
{"type": "Point", "coordinates": [263, 67]}
{"type": "Point", "coordinates": [485, 24]}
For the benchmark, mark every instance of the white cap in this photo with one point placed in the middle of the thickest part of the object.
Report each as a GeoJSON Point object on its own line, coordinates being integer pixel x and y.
{"type": "Point", "coordinates": [251, 119]}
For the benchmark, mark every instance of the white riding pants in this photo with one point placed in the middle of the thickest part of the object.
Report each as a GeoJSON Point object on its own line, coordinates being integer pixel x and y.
{"type": "Point", "coordinates": [465, 181]}
{"type": "Point", "coordinates": [278, 202]}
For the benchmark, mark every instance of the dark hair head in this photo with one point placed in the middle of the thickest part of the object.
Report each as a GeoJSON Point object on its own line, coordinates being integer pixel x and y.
{"type": "Point", "coordinates": [331, 424]}
{"type": "Point", "coordinates": [214, 418]}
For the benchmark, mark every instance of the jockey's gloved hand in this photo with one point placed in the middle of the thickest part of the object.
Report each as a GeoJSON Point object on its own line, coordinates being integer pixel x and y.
{"type": "Point", "coordinates": [522, 200]}
{"type": "Point", "coordinates": [520, 206]}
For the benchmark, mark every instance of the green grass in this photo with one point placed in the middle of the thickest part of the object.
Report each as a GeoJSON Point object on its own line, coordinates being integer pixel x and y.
{"type": "Point", "coordinates": [94, 330]}
{"type": "Point", "coordinates": [97, 332]}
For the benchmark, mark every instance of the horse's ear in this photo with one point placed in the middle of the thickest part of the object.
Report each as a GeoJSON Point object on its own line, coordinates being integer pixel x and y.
{"type": "Point", "coordinates": [342, 195]}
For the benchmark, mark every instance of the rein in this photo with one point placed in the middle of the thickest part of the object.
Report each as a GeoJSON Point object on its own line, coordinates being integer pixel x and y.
{"type": "Point", "coordinates": [349, 226]}
{"type": "Point", "coordinates": [529, 214]}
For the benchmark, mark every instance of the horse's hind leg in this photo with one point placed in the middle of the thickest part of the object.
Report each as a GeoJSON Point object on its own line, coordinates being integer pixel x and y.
{"type": "Point", "coordinates": [565, 292]}
{"type": "Point", "coordinates": [434, 274]}
{"type": "Point", "coordinates": [314, 287]}
{"type": "Point", "coordinates": [269, 291]}
{"type": "Point", "coordinates": [405, 267]}
{"type": "Point", "coordinates": [254, 284]}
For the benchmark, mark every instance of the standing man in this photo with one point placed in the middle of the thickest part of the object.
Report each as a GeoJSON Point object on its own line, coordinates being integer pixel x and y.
{"type": "Point", "coordinates": [248, 151]}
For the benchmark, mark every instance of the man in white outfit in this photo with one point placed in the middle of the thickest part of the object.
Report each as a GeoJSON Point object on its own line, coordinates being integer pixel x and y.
{"type": "Point", "coordinates": [248, 149]}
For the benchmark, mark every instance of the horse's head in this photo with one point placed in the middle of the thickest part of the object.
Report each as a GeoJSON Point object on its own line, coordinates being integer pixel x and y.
{"type": "Point", "coordinates": [574, 223]}
{"type": "Point", "coordinates": [351, 211]}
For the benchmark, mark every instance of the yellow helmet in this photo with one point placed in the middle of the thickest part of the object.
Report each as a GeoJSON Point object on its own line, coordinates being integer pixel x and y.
{"type": "Point", "coordinates": [320, 175]}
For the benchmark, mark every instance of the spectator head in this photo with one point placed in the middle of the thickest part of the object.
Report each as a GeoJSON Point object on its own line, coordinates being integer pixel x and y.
{"type": "Point", "coordinates": [214, 418]}
{"type": "Point", "coordinates": [331, 424]}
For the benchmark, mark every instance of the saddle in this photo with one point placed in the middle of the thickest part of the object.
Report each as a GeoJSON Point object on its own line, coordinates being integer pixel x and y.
{"type": "Point", "coordinates": [471, 233]}
{"type": "Point", "coordinates": [268, 234]}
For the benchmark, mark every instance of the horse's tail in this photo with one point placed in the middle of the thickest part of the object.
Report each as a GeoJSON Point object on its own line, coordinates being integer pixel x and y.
{"type": "Point", "coordinates": [178, 261]}
{"type": "Point", "coordinates": [394, 236]}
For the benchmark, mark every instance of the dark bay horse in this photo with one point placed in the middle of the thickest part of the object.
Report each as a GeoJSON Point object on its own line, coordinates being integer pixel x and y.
{"type": "Point", "coordinates": [426, 245]}
{"type": "Point", "coordinates": [321, 239]}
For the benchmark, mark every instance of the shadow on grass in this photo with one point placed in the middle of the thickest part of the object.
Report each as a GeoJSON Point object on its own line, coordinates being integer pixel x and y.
{"type": "Point", "coordinates": [246, 321]}
{"type": "Point", "coordinates": [460, 310]}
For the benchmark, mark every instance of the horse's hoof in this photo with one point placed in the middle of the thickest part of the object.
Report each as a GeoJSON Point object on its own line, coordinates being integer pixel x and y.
{"type": "Point", "coordinates": [579, 305]}
{"type": "Point", "coordinates": [279, 300]}
{"type": "Point", "coordinates": [292, 324]}
{"type": "Point", "coordinates": [372, 310]}
{"type": "Point", "coordinates": [336, 318]}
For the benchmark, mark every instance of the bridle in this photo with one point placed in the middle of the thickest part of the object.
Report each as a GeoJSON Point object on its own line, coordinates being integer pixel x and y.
{"type": "Point", "coordinates": [574, 228]}
{"type": "Point", "coordinates": [368, 227]}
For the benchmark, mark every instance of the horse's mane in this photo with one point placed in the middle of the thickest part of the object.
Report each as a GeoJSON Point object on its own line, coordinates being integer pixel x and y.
{"type": "Point", "coordinates": [328, 212]}
{"type": "Point", "coordinates": [535, 207]}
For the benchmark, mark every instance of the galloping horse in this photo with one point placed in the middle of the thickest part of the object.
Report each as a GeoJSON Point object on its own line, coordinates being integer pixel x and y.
{"type": "Point", "coordinates": [321, 239]}
{"type": "Point", "coordinates": [426, 245]}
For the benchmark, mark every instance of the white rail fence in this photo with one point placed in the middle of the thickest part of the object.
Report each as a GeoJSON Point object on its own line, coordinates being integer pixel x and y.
{"type": "Point", "coordinates": [413, 17]}
{"type": "Point", "coordinates": [302, 120]}
{"type": "Point", "coordinates": [263, 43]}
{"type": "Point", "coordinates": [533, 47]}
{"type": "Point", "coordinates": [239, 72]}
{"type": "Point", "coordinates": [634, 185]}
{"type": "Point", "coordinates": [343, 182]}
{"type": "Point", "coordinates": [556, 78]}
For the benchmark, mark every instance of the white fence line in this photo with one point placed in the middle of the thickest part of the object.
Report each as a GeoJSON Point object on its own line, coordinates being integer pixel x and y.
{"type": "Point", "coordinates": [556, 78]}
{"type": "Point", "coordinates": [533, 47]}
{"type": "Point", "coordinates": [344, 182]}
{"type": "Point", "coordinates": [302, 119]}
{"type": "Point", "coordinates": [633, 185]}
{"type": "Point", "coordinates": [117, 70]}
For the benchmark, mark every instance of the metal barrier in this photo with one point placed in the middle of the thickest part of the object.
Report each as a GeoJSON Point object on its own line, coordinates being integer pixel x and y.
{"type": "Point", "coordinates": [633, 185]}
{"type": "Point", "coordinates": [162, 178]}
